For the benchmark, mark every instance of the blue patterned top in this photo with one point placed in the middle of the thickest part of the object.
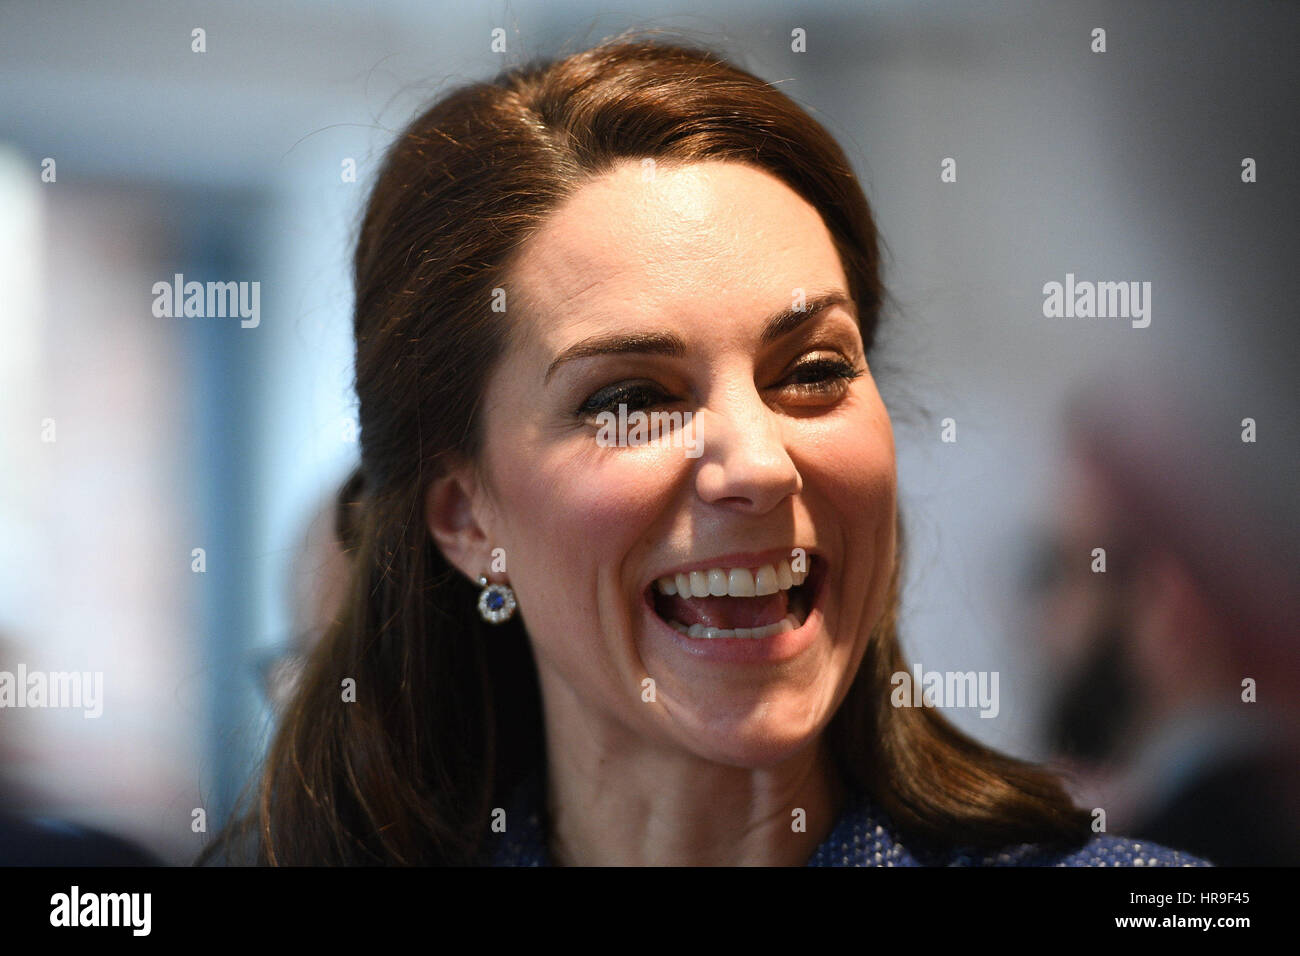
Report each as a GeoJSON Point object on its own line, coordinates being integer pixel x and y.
{"type": "Point", "coordinates": [864, 836]}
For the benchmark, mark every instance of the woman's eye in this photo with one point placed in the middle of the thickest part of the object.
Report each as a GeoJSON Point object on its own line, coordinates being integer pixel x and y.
{"type": "Point", "coordinates": [814, 378]}
{"type": "Point", "coordinates": [635, 395]}
{"type": "Point", "coordinates": [822, 376]}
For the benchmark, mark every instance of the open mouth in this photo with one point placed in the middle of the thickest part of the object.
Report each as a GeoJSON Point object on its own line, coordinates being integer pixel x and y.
{"type": "Point", "coordinates": [737, 603]}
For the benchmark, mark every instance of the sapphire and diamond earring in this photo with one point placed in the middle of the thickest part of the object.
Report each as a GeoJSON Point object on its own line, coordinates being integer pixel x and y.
{"type": "Point", "coordinates": [496, 603]}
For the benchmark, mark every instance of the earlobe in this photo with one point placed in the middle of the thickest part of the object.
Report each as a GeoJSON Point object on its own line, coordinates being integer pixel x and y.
{"type": "Point", "coordinates": [450, 516]}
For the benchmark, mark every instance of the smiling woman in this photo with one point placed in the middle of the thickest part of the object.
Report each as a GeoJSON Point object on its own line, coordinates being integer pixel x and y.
{"type": "Point", "coordinates": [698, 670]}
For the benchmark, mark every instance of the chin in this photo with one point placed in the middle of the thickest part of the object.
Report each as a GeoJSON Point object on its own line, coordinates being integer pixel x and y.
{"type": "Point", "coordinates": [753, 736]}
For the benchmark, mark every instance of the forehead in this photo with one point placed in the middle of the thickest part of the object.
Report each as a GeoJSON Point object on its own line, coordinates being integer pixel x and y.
{"type": "Point", "coordinates": [699, 240]}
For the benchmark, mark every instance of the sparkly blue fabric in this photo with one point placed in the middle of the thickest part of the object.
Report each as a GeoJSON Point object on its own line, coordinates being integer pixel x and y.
{"type": "Point", "coordinates": [864, 836]}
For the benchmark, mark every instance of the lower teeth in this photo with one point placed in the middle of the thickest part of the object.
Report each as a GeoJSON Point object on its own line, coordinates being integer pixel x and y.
{"type": "Point", "coordinates": [787, 623]}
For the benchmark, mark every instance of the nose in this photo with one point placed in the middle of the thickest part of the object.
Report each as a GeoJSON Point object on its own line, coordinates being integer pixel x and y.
{"type": "Point", "coordinates": [744, 462]}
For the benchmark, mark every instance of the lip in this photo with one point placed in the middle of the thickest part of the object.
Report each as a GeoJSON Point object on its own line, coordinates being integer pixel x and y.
{"type": "Point", "coordinates": [738, 650]}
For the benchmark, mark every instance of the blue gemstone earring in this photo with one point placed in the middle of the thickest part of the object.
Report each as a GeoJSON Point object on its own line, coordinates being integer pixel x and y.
{"type": "Point", "coordinates": [497, 602]}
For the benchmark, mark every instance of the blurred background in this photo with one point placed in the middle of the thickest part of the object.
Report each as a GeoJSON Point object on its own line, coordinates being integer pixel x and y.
{"type": "Point", "coordinates": [165, 481]}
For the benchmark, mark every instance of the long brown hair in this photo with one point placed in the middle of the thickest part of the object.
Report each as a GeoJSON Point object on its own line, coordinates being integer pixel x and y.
{"type": "Point", "coordinates": [447, 716]}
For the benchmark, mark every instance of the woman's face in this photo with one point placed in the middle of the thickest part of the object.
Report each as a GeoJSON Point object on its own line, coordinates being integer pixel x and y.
{"type": "Point", "coordinates": [675, 290]}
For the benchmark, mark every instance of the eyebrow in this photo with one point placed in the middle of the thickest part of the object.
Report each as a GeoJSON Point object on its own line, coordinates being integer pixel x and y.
{"type": "Point", "coordinates": [668, 343]}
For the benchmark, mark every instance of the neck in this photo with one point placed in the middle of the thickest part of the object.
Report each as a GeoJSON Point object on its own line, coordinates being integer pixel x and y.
{"type": "Point", "coordinates": [615, 799]}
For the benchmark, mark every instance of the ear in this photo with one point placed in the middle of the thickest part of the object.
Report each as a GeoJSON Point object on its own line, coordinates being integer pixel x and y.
{"type": "Point", "coordinates": [451, 512]}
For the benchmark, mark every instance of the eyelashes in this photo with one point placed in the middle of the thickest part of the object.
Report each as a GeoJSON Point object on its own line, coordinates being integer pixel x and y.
{"type": "Point", "coordinates": [636, 396]}
{"type": "Point", "coordinates": [822, 375]}
{"type": "Point", "coordinates": [816, 380]}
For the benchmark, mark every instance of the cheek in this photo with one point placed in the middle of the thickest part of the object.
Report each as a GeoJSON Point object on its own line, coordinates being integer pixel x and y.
{"type": "Point", "coordinates": [574, 518]}
{"type": "Point", "coordinates": [852, 461]}
{"type": "Point", "coordinates": [574, 513]}
{"type": "Point", "coordinates": [599, 498]}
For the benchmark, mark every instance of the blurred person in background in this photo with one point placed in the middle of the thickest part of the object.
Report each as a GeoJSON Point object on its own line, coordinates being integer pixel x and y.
{"type": "Point", "coordinates": [1178, 664]}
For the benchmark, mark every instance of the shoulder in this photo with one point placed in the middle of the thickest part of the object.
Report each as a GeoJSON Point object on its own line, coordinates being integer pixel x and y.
{"type": "Point", "coordinates": [864, 835]}
{"type": "Point", "coordinates": [521, 841]}
{"type": "Point", "coordinates": [1100, 850]}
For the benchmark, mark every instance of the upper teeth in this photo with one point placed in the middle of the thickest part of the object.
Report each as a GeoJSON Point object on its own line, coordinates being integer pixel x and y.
{"type": "Point", "coordinates": [733, 582]}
